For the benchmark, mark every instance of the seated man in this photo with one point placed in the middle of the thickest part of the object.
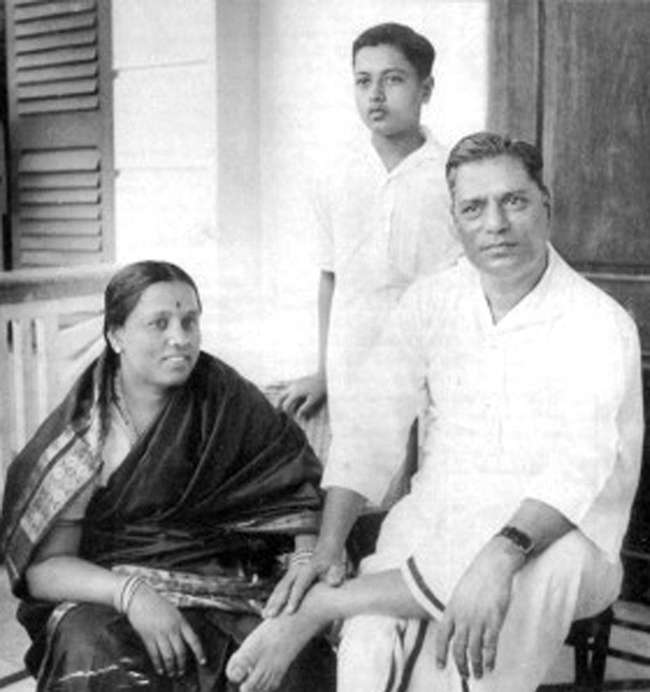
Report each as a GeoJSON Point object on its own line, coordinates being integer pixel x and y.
{"type": "Point", "coordinates": [515, 519]}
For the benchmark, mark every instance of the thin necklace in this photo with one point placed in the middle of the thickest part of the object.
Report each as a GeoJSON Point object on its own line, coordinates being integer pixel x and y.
{"type": "Point", "coordinates": [123, 409]}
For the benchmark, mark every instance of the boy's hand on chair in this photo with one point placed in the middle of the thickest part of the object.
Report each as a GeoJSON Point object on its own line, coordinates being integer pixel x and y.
{"type": "Point", "coordinates": [304, 396]}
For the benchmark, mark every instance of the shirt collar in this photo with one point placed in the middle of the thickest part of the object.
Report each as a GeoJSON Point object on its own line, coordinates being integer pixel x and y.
{"type": "Point", "coordinates": [430, 150]}
{"type": "Point", "coordinates": [543, 303]}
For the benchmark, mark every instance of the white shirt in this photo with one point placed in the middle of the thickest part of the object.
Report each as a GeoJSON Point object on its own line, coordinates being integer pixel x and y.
{"type": "Point", "coordinates": [546, 404]}
{"type": "Point", "coordinates": [378, 231]}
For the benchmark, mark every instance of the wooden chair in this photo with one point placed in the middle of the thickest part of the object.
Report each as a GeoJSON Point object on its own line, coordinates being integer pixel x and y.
{"type": "Point", "coordinates": [590, 641]}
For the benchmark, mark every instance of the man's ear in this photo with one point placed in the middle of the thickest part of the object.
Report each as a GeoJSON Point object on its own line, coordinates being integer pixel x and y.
{"type": "Point", "coordinates": [427, 89]}
{"type": "Point", "coordinates": [454, 220]}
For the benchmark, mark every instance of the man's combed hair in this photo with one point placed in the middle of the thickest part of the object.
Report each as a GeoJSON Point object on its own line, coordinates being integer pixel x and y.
{"type": "Point", "coordinates": [416, 48]}
{"type": "Point", "coordinates": [488, 145]}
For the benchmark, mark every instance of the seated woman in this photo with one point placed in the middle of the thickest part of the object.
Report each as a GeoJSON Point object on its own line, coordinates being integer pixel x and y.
{"type": "Point", "coordinates": [147, 520]}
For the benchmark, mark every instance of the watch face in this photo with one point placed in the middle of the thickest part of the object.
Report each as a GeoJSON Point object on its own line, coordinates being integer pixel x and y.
{"type": "Point", "coordinates": [522, 540]}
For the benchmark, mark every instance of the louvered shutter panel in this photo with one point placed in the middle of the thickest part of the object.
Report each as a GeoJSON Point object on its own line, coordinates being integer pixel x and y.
{"type": "Point", "coordinates": [61, 143]}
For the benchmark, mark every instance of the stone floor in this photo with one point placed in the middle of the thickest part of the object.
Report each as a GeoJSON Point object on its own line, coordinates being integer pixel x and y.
{"type": "Point", "coordinates": [621, 675]}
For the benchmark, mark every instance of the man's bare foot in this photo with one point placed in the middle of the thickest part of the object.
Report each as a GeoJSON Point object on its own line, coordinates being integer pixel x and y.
{"type": "Point", "coordinates": [262, 660]}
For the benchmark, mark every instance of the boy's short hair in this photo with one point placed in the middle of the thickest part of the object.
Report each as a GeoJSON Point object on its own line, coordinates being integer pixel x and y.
{"type": "Point", "coordinates": [488, 145]}
{"type": "Point", "coordinates": [417, 49]}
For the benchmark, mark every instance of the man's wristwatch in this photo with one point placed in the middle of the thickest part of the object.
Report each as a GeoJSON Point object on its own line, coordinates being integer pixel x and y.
{"type": "Point", "coordinates": [520, 539]}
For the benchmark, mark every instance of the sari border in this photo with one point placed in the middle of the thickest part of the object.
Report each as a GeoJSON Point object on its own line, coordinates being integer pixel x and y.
{"type": "Point", "coordinates": [59, 471]}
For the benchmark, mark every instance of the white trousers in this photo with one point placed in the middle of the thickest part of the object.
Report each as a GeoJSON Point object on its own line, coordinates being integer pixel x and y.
{"type": "Point", "coordinates": [570, 580]}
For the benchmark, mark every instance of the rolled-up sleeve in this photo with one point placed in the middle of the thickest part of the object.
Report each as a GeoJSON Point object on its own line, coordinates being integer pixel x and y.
{"type": "Point", "coordinates": [368, 446]}
{"type": "Point", "coordinates": [595, 433]}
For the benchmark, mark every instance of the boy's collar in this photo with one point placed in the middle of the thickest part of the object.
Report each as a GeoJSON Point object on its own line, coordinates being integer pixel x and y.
{"type": "Point", "coordinates": [428, 150]}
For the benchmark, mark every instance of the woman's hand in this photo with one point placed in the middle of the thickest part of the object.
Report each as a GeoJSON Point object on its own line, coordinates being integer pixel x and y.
{"type": "Point", "coordinates": [289, 591]}
{"type": "Point", "coordinates": [304, 396]}
{"type": "Point", "coordinates": [165, 632]}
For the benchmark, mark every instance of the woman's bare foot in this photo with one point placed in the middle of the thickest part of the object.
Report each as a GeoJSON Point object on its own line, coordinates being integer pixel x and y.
{"type": "Point", "coordinates": [262, 660]}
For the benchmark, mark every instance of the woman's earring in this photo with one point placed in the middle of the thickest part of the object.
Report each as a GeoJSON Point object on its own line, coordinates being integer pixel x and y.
{"type": "Point", "coordinates": [114, 343]}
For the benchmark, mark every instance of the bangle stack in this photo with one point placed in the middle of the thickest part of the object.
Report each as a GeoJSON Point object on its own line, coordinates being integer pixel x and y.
{"type": "Point", "coordinates": [300, 557]}
{"type": "Point", "coordinates": [127, 592]}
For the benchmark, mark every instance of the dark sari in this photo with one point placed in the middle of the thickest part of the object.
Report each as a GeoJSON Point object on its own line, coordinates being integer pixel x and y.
{"type": "Point", "coordinates": [204, 505]}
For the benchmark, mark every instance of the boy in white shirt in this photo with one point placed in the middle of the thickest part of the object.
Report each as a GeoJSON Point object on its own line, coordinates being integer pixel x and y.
{"type": "Point", "coordinates": [382, 217]}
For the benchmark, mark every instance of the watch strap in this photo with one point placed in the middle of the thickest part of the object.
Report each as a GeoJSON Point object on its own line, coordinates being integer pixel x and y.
{"type": "Point", "coordinates": [519, 538]}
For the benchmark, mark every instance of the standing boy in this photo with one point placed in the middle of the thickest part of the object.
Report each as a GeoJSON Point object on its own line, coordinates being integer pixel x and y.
{"type": "Point", "coordinates": [383, 215]}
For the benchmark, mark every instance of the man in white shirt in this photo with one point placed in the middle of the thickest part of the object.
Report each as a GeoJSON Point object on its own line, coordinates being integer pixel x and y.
{"type": "Point", "coordinates": [515, 519]}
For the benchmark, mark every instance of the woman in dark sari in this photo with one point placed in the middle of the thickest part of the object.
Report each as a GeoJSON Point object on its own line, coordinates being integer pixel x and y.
{"type": "Point", "coordinates": [151, 514]}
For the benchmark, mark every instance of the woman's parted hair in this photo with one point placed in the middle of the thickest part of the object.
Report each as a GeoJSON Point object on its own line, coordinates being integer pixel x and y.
{"type": "Point", "coordinates": [126, 287]}
{"type": "Point", "coordinates": [488, 145]}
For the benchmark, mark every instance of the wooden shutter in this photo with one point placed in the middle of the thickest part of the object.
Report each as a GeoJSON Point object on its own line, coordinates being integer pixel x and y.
{"type": "Point", "coordinates": [60, 132]}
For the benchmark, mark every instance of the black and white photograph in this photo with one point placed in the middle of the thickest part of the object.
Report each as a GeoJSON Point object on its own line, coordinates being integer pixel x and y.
{"type": "Point", "coordinates": [324, 332]}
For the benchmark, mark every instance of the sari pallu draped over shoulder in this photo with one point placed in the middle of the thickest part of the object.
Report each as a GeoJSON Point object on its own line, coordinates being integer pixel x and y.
{"type": "Point", "coordinates": [217, 486]}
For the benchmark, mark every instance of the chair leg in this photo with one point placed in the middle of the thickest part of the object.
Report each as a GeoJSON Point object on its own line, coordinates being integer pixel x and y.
{"type": "Point", "coordinates": [590, 641]}
{"type": "Point", "coordinates": [581, 657]}
{"type": "Point", "coordinates": [600, 646]}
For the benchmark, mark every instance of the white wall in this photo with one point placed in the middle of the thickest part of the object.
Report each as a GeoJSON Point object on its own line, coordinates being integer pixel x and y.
{"type": "Point", "coordinates": [165, 105]}
{"type": "Point", "coordinates": [308, 114]}
{"type": "Point", "coordinates": [223, 111]}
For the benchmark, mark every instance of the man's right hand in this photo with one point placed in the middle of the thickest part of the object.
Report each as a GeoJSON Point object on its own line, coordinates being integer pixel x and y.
{"type": "Point", "coordinates": [290, 590]}
{"type": "Point", "coordinates": [304, 396]}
